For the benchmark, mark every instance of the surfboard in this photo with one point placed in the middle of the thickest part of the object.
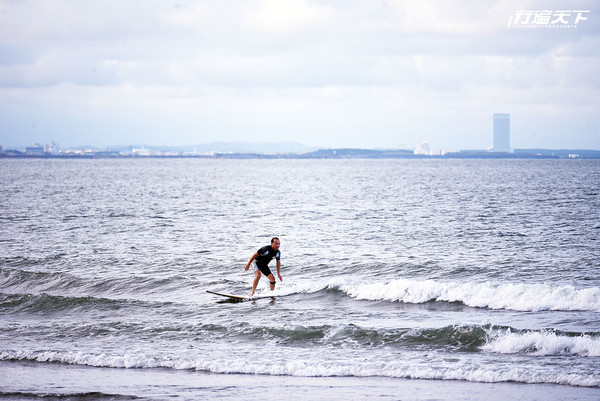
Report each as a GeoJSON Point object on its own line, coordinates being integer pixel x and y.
{"type": "Point", "coordinates": [239, 297]}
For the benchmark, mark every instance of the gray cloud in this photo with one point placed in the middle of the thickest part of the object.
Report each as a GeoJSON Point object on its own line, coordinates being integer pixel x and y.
{"type": "Point", "coordinates": [330, 73]}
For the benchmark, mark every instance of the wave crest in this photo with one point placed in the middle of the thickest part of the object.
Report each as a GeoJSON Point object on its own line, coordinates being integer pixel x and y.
{"type": "Point", "coordinates": [306, 368]}
{"type": "Point", "coordinates": [543, 343]}
{"type": "Point", "coordinates": [519, 297]}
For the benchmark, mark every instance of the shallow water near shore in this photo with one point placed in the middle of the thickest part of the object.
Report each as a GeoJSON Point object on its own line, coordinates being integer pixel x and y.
{"type": "Point", "coordinates": [405, 279]}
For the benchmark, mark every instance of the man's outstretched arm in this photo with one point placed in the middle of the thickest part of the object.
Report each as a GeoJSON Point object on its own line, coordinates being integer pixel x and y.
{"type": "Point", "coordinates": [251, 260]}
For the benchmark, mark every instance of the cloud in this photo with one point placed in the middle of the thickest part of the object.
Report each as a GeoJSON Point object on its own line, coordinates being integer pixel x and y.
{"type": "Point", "coordinates": [274, 16]}
{"type": "Point", "coordinates": [331, 71]}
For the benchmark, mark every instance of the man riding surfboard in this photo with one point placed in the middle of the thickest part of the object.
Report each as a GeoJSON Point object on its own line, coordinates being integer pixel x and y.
{"type": "Point", "coordinates": [260, 263]}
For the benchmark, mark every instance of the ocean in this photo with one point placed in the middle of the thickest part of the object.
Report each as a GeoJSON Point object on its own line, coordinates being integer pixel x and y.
{"type": "Point", "coordinates": [426, 279]}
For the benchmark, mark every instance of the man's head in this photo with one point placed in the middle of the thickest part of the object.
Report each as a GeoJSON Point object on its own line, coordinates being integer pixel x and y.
{"type": "Point", "coordinates": [275, 243]}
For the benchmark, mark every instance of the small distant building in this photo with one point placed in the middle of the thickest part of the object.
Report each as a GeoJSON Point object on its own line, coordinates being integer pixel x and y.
{"type": "Point", "coordinates": [501, 132]}
{"type": "Point", "coordinates": [422, 148]}
{"type": "Point", "coordinates": [35, 150]}
{"type": "Point", "coordinates": [141, 152]}
{"type": "Point", "coordinates": [52, 149]}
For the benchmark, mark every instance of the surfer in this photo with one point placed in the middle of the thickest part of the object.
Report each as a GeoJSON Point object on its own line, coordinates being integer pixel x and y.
{"type": "Point", "coordinates": [260, 263]}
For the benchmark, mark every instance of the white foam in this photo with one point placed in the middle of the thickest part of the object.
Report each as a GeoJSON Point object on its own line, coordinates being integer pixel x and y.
{"type": "Point", "coordinates": [520, 297]}
{"type": "Point", "coordinates": [298, 286]}
{"type": "Point", "coordinates": [542, 343]}
{"type": "Point", "coordinates": [309, 368]}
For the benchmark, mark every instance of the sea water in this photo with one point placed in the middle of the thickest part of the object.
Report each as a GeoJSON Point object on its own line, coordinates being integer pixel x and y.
{"type": "Point", "coordinates": [471, 272]}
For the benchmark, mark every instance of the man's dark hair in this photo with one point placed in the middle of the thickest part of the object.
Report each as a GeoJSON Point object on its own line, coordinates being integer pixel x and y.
{"type": "Point", "coordinates": [273, 239]}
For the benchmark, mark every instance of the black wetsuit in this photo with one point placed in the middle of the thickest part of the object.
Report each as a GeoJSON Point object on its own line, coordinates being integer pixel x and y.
{"type": "Point", "coordinates": [265, 255]}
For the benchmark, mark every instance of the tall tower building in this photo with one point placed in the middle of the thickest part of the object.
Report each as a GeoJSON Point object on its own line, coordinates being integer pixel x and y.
{"type": "Point", "coordinates": [501, 132]}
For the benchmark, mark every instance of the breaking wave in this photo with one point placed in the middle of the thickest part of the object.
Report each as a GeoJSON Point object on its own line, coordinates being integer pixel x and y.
{"type": "Point", "coordinates": [492, 295]}
{"type": "Point", "coordinates": [545, 342]}
{"type": "Point", "coordinates": [486, 294]}
{"type": "Point", "coordinates": [311, 368]}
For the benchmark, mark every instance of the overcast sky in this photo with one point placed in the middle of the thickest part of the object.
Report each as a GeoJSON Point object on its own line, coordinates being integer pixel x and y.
{"type": "Point", "coordinates": [338, 73]}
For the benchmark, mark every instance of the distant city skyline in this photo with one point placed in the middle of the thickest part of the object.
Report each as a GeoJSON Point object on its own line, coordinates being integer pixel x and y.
{"type": "Point", "coordinates": [353, 74]}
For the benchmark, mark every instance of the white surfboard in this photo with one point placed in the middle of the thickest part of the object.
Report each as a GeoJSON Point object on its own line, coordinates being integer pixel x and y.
{"type": "Point", "coordinates": [240, 297]}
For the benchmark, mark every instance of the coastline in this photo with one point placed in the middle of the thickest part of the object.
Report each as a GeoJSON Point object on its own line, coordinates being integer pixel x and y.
{"type": "Point", "coordinates": [337, 153]}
